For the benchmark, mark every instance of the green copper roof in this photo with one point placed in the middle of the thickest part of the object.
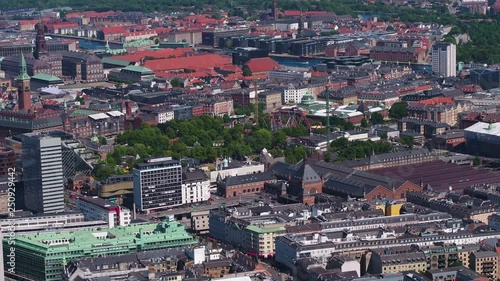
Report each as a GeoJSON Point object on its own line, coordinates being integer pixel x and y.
{"type": "Point", "coordinates": [117, 62]}
{"type": "Point", "coordinates": [138, 43]}
{"type": "Point", "coordinates": [102, 241]}
{"type": "Point", "coordinates": [265, 230]}
{"type": "Point", "coordinates": [23, 73]}
{"type": "Point", "coordinates": [138, 69]}
{"type": "Point", "coordinates": [41, 256]}
{"type": "Point", "coordinates": [46, 77]}
{"type": "Point", "coordinates": [83, 112]}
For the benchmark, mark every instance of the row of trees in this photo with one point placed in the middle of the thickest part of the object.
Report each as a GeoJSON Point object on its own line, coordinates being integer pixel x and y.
{"type": "Point", "coordinates": [207, 138]}
{"type": "Point", "coordinates": [204, 138]}
{"type": "Point", "coordinates": [351, 150]}
{"type": "Point", "coordinates": [484, 46]}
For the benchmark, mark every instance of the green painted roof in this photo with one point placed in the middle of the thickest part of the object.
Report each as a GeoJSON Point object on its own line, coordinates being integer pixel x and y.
{"type": "Point", "coordinates": [265, 230]}
{"type": "Point", "coordinates": [99, 241]}
{"type": "Point", "coordinates": [138, 43]}
{"type": "Point", "coordinates": [118, 62]}
{"type": "Point", "coordinates": [46, 77]}
{"type": "Point", "coordinates": [83, 112]}
{"type": "Point", "coordinates": [138, 69]}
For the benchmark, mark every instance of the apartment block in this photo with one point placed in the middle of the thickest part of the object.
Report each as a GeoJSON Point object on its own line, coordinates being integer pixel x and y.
{"type": "Point", "coordinates": [485, 263]}
{"type": "Point", "coordinates": [444, 59]}
{"type": "Point", "coordinates": [157, 184]}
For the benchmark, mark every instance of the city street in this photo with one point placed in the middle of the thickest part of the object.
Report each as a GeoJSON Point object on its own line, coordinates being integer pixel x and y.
{"type": "Point", "coordinates": [201, 206]}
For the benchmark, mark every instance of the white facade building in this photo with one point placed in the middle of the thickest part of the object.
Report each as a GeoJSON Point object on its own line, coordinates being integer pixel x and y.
{"type": "Point", "coordinates": [234, 168]}
{"type": "Point", "coordinates": [483, 132]}
{"type": "Point", "coordinates": [62, 221]}
{"type": "Point", "coordinates": [444, 59]}
{"type": "Point", "coordinates": [157, 184]}
{"type": "Point", "coordinates": [289, 76]}
{"type": "Point", "coordinates": [164, 116]}
{"type": "Point", "coordinates": [195, 187]}
{"type": "Point", "coordinates": [98, 209]}
{"type": "Point", "coordinates": [294, 95]}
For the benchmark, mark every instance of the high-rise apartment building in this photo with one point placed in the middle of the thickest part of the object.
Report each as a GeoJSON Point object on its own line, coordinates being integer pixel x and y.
{"type": "Point", "coordinates": [444, 59]}
{"type": "Point", "coordinates": [42, 173]}
{"type": "Point", "coordinates": [157, 184]}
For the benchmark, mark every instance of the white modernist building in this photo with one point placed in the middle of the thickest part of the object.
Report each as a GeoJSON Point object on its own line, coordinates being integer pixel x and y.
{"type": "Point", "coordinates": [195, 186]}
{"type": "Point", "coordinates": [98, 209]}
{"type": "Point", "coordinates": [484, 133]}
{"type": "Point", "coordinates": [289, 75]}
{"type": "Point", "coordinates": [157, 184]}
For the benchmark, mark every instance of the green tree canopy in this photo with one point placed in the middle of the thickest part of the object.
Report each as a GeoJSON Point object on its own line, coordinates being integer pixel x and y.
{"type": "Point", "coordinates": [247, 72]}
{"type": "Point", "coordinates": [176, 82]}
{"type": "Point", "coordinates": [376, 118]}
{"type": "Point", "coordinates": [399, 110]}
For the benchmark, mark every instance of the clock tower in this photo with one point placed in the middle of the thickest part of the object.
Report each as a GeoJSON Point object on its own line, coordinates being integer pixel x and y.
{"type": "Point", "coordinates": [40, 42]}
{"type": "Point", "coordinates": [23, 87]}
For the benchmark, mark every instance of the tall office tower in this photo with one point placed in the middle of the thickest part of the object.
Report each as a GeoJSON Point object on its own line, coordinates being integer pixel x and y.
{"type": "Point", "coordinates": [444, 59]}
{"type": "Point", "coordinates": [157, 184]}
{"type": "Point", "coordinates": [42, 173]}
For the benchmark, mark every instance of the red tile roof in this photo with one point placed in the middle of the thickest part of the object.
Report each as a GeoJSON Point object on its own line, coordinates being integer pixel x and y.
{"type": "Point", "coordinates": [255, 77]}
{"type": "Point", "coordinates": [436, 101]}
{"type": "Point", "coordinates": [234, 77]}
{"type": "Point", "coordinates": [64, 25]}
{"type": "Point", "coordinates": [27, 22]}
{"type": "Point", "coordinates": [137, 33]}
{"type": "Point", "coordinates": [259, 65]}
{"type": "Point", "coordinates": [231, 68]}
{"type": "Point", "coordinates": [163, 30]}
{"type": "Point", "coordinates": [156, 54]}
{"type": "Point", "coordinates": [90, 14]}
{"type": "Point", "coordinates": [197, 74]}
{"type": "Point", "coordinates": [319, 73]}
{"type": "Point", "coordinates": [194, 62]}
{"type": "Point", "coordinates": [296, 13]}
{"type": "Point", "coordinates": [344, 30]}
{"type": "Point", "coordinates": [114, 30]}
{"type": "Point", "coordinates": [196, 17]}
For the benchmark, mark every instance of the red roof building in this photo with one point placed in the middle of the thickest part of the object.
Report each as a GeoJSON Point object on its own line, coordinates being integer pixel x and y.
{"type": "Point", "coordinates": [296, 13]}
{"type": "Point", "coordinates": [196, 62]}
{"type": "Point", "coordinates": [262, 65]}
{"type": "Point", "coordinates": [156, 54]}
{"type": "Point", "coordinates": [114, 30]}
{"type": "Point", "coordinates": [437, 101]}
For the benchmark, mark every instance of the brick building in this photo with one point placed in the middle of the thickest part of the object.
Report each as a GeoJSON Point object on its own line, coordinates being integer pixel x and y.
{"type": "Point", "coordinates": [400, 54]}
{"type": "Point", "coordinates": [81, 66]}
{"type": "Point", "coordinates": [233, 186]}
{"type": "Point", "coordinates": [7, 161]}
{"type": "Point", "coordinates": [441, 110]}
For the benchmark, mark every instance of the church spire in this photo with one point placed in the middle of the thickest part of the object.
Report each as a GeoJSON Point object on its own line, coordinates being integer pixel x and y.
{"type": "Point", "coordinates": [107, 48]}
{"type": "Point", "coordinates": [23, 70]}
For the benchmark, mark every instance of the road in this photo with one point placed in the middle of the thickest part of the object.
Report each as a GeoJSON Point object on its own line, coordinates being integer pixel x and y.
{"type": "Point", "coordinates": [215, 204]}
{"type": "Point", "coordinates": [181, 210]}
{"type": "Point", "coordinates": [275, 274]}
